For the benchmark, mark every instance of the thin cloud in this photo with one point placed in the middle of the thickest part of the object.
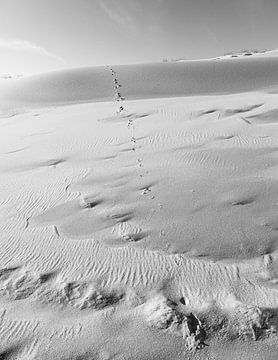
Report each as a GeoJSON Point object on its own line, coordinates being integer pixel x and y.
{"type": "Point", "coordinates": [117, 13]}
{"type": "Point", "coordinates": [24, 45]}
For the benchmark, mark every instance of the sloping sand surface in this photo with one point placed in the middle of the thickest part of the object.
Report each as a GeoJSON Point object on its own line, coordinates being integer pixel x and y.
{"type": "Point", "coordinates": [147, 232]}
{"type": "Point", "coordinates": [201, 77]}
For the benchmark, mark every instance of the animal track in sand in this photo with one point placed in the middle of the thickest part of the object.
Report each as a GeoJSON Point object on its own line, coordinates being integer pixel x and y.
{"type": "Point", "coordinates": [122, 114]}
{"type": "Point", "coordinates": [128, 142]}
{"type": "Point", "coordinates": [129, 149]}
{"type": "Point", "coordinates": [146, 188]}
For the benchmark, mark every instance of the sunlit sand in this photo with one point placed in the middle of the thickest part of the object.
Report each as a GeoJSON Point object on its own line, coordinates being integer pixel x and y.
{"type": "Point", "coordinates": [139, 212]}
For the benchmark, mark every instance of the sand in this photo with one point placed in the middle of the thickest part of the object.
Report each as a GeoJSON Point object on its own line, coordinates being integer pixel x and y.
{"type": "Point", "coordinates": [139, 212]}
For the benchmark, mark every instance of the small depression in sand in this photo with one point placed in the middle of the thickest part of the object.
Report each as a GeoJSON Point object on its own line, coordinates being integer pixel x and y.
{"type": "Point", "coordinates": [268, 117]}
{"type": "Point", "coordinates": [81, 218]}
{"type": "Point", "coordinates": [108, 214]}
{"type": "Point", "coordinates": [221, 214]}
{"type": "Point", "coordinates": [217, 200]}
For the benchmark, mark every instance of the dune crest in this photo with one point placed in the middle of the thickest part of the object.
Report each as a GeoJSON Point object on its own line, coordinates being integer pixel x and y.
{"type": "Point", "coordinates": [143, 81]}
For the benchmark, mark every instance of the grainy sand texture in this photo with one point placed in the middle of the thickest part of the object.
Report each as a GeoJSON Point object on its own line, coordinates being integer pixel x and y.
{"type": "Point", "coordinates": [139, 212]}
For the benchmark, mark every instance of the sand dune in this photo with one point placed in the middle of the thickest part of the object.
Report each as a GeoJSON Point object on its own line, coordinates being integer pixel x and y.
{"type": "Point", "coordinates": [147, 232]}
{"type": "Point", "coordinates": [201, 77]}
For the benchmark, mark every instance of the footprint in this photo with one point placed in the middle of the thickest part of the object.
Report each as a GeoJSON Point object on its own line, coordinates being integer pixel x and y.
{"type": "Point", "coordinates": [146, 188]}
{"type": "Point", "coordinates": [146, 191]}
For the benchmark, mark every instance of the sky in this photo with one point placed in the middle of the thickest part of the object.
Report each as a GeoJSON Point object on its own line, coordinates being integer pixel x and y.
{"type": "Point", "coordinates": [45, 35]}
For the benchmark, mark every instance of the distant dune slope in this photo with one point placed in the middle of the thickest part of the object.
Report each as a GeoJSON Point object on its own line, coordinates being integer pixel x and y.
{"type": "Point", "coordinates": [203, 77]}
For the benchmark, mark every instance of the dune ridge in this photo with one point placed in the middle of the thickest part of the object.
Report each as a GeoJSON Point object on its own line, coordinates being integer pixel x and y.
{"type": "Point", "coordinates": [203, 77]}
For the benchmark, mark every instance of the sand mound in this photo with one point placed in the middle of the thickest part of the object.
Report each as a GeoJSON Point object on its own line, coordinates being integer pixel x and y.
{"type": "Point", "coordinates": [162, 313]}
{"type": "Point", "coordinates": [201, 77]}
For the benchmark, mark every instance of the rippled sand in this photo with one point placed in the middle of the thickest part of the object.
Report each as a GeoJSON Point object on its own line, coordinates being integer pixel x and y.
{"type": "Point", "coordinates": [145, 233]}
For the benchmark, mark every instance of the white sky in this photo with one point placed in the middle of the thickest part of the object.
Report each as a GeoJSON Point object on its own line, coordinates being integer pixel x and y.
{"type": "Point", "coordinates": [45, 35]}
